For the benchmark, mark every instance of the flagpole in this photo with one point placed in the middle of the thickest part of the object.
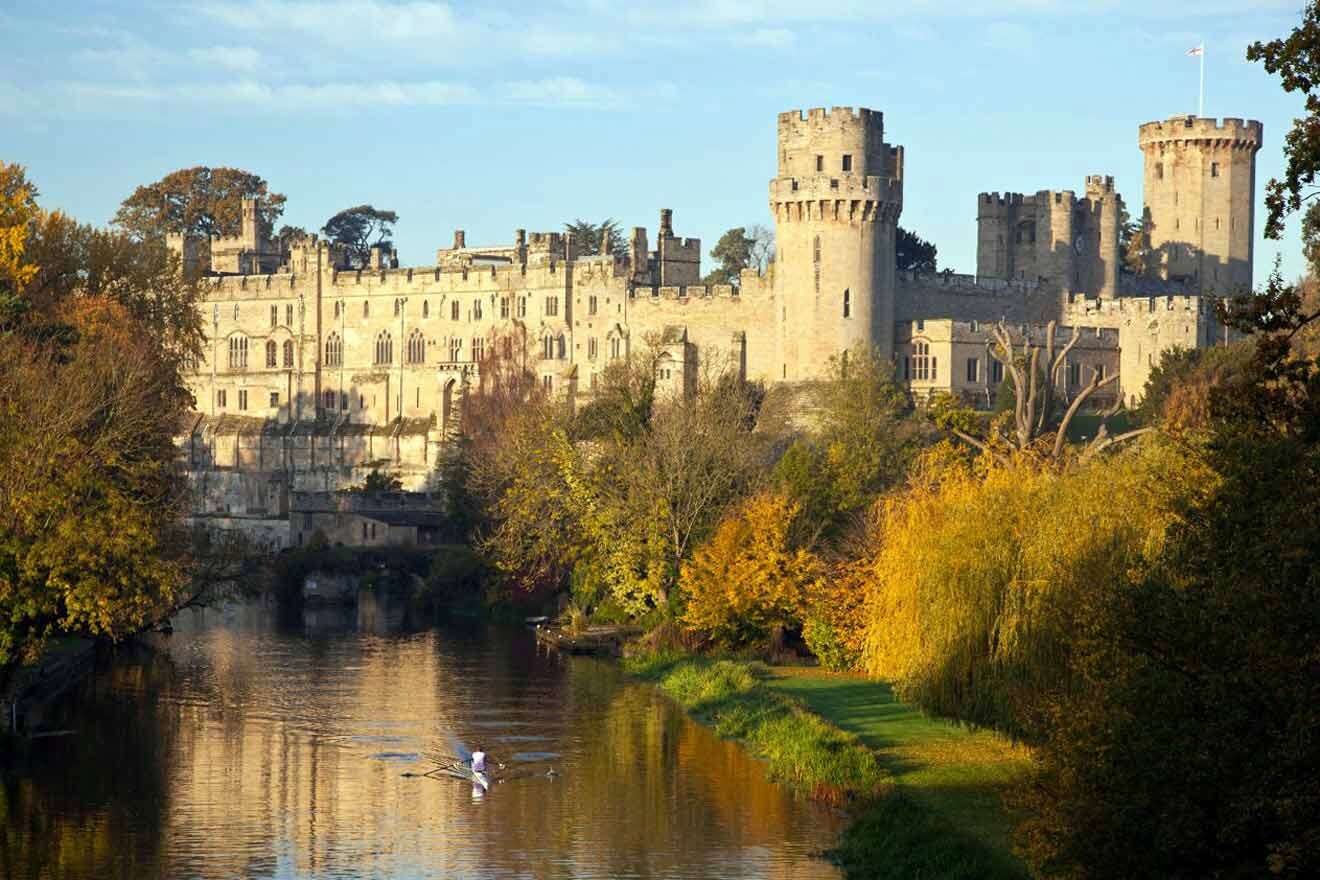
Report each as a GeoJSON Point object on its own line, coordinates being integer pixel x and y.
{"type": "Point", "coordinates": [1200, 101]}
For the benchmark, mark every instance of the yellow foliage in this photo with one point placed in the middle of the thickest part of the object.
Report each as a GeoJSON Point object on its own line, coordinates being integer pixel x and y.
{"type": "Point", "coordinates": [751, 575]}
{"type": "Point", "coordinates": [980, 572]}
{"type": "Point", "coordinates": [18, 209]}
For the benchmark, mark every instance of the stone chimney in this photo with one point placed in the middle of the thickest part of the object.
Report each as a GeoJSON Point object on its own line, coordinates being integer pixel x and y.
{"type": "Point", "coordinates": [460, 239]}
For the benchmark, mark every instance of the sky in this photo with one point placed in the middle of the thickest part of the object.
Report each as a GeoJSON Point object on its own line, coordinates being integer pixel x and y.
{"type": "Point", "coordinates": [502, 115]}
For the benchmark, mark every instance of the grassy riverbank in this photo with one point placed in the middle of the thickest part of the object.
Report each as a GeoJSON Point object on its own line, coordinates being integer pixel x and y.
{"type": "Point", "coordinates": [926, 793]}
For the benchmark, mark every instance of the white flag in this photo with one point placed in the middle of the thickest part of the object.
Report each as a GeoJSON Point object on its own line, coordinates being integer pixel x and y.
{"type": "Point", "coordinates": [1196, 50]}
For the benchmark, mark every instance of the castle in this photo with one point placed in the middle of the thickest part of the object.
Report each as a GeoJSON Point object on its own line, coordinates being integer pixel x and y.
{"type": "Point", "coordinates": [315, 373]}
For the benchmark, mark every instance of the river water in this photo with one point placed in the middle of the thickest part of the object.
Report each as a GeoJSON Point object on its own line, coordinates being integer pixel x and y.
{"type": "Point", "coordinates": [250, 746]}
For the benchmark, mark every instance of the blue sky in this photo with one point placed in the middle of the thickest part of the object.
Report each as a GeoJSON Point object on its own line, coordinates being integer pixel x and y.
{"type": "Point", "coordinates": [494, 116]}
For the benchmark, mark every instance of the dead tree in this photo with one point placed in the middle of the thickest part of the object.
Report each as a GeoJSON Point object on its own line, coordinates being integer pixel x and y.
{"type": "Point", "coordinates": [1034, 370]}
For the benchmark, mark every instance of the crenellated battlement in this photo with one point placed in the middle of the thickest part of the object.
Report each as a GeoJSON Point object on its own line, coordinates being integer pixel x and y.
{"type": "Point", "coordinates": [1078, 306]}
{"type": "Point", "coordinates": [967, 285]}
{"type": "Point", "coordinates": [994, 199]}
{"type": "Point", "coordinates": [1099, 185]}
{"type": "Point", "coordinates": [834, 116]}
{"type": "Point", "coordinates": [1230, 132]}
{"type": "Point", "coordinates": [686, 292]}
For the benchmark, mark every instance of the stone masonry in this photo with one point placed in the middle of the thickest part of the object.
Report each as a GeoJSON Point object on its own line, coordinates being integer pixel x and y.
{"type": "Point", "coordinates": [315, 373]}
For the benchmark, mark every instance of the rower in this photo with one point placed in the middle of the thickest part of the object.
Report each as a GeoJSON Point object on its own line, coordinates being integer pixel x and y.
{"type": "Point", "coordinates": [478, 760]}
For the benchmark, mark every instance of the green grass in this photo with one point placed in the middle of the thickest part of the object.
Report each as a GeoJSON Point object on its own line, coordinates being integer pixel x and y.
{"type": "Point", "coordinates": [953, 774]}
{"type": "Point", "coordinates": [801, 748]}
{"type": "Point", "coordinates": [926, 792]}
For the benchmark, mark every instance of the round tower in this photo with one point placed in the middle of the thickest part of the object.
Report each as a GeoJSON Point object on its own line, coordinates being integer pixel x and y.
{"type": "Point", "coordinates": [836, 203]}
{"type": "Point", "coordinates": [1200, 185]}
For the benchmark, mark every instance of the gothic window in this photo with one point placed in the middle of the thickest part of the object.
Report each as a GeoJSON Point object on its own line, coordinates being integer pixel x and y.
{"type": "Point", "coordinates": [847, 303]}
{"type": "Point", "coordinates": [547, 347]}
{"type": "Point", "coordinates": [271, 353]}
{"type": "Point", "coordinates": [288, 352]}
{"type": "Point", "coordinates": [238, 346]}
{"type": "Point", "coordinates": [551, 306]}
{"type": "Point", "coordinates": [973, 369]}
{"type": "Point", "coordinates": [384, 348]}
{"type": "Point", "coordinates": [616, 348]}
{"type": "Point", "coordinates": [996, 372]}
{"type": "Point", "coordinates": [591, 349]}
{"type": "Point", "coordinates": [235, 311]}
{"type": "Point", "coordinates": [591, 305]}
{"type": "Point", "coordinates": [366, 309]}
{"type": "Point", "coordinates": [343, 400]}
{"type": "Point", "coordinates": [274, 399]}
{"type": "Point", "coordinates": [328, 399]}
{"type": "Point", "coordinates": [274, 315]}
{"type": "Point", "coordinates": [220, 398]}
{"type": "Point", "coordinates": [548, 383]}
{"type": "Point", "coordinates": [504, 307]}
{"type": "Point", "coordinates": [334, 351]}
{"type": "Point", "coordinates": [338, 305]}
{"type": "Point", "coordinates": [288, 315]}
{"type": "Point", "coordinates": [664, 368]}
{"type": "Point", "coordinates": [561, 348]}
{"type": "Point", "coordinates": [416, 347]}
{"type": "Point", "coordinates": [398, 306]}
{"type": "Point", "coordinates": [476, 310]}
{"type": "Point", "coordinates": [921, 361]}
{"type": "Point", "coordinates": [242, 398]}
{"type": "Point", "coordinates": [455, 348]}
{"type": "Point", "coordinates": [426, 309]}
{"type": "Point", "coordinates": [478, 349]}
{"type": "Point", "coordinates": [522, 306]}
{"type": "Point", "coordinates": [453, 310]}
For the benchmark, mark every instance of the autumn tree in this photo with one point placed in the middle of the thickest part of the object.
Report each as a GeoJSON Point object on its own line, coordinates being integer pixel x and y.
{"type": "Point", "coordinates": [913, 253]}
{"type": "Point", "coordinates": [18, 211]}
{"type": "Point", "coordinates": [197, 201]}
{"type": "Point", "coordinates": [358, 229]}
{"type": "Point", "coordinates": [753, 578]}
{"type": "Point", "coordinates": [741, 248]}
{"type": "Point", "coordinates": [594, 239]}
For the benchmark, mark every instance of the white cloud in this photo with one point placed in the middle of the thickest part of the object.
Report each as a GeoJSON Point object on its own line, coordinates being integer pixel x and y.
{"type": "Point", "coordinates": [243, 59]}
{"type": "Point", "coordinates": [767, 38]}
{"type": "Point", "coordinates": [560, 91]}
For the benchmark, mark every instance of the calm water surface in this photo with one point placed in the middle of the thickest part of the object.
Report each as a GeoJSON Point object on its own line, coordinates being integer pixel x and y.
{"type": "Point", "coordinates": [249, 746]}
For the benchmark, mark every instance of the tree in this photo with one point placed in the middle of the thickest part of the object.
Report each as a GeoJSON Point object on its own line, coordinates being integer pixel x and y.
{"type": "Point", "coordinates": [197, 201]}
{"type": "Point", "coordinates": [753, 578]}
{"type": "Point", "coordinates": [1296, 59]}
{"type": "Point", "coordinates": [732, 253]}
{"type": "Point", "coordinates": [380, 481]}
{"type": "Point", "coordinates": [913, 253]}
{"type": "Point", "coordinates": [1034, 371]}
{"type": "Point", "coordinates": [358, 229]}
{"type": "Point", "coordinates": [18, 212]}
{"type": "Point", "coordinates": [288, 236]}
{"type": "Point", "coordinates": [1188, 748]}
{"type": "Point", "coordinates": [594, 239]}
{"type": "Point", "coordinates": [1132, 243]}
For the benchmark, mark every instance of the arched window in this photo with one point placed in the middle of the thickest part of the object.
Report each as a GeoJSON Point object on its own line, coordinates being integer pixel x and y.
{"type": "Point", "coordinates": [847, 303]}
{"type": "Point", "coordinates": [476, 310]}
{"type": "Point", "coordinates": [384, 348]}
{"type": "Point", "coordinates": [664, 367]}
{"type": "Point", "coordinates": [416, 347]}
{"type": "Point", "coordinates": [561, 347]}
{"type": "Point", "coordinates": [288, 352]}
{"type": "Point", "coordinates": [338, 305]}
{"type": "Point", "coordinates": [334, 351]}
{"type": "Point", "coordinates": [366, 308]}
{"type": "Point", "coordinates": [238, 352]}
{"type": "Point", "coordinates": [426, 309]}
{"type": "Point", "coordinates": [328, 399]}
{"type": "Point", "coordinates": [271, 353]}
{"type": "Point", "coordinates": [398, 305]}
{"type": "Point", "coordinates": [547, 347]}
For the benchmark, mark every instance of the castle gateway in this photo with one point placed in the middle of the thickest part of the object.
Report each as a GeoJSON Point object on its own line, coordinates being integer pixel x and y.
{"type": "Point", "coordinates": [315, 373]}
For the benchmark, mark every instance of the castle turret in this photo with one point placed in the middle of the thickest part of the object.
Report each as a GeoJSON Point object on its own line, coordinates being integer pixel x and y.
{"type": "Point", "coordinates": [1099, 257]}
{"type": "Point", "coordinates": [1200, 182]}
{"type": "Point", "coordinates": [836, 204]}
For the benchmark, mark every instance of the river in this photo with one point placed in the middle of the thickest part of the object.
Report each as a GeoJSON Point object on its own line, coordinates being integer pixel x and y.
{"type": "Point", "coordinates": [254, 745]}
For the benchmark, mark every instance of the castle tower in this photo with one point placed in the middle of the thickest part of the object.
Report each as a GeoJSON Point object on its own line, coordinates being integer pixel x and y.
{"type": "Point", "coordinates": [1098, 252]}
{"type": "Point", "coordinates": [1200, 184]}
{"type": "Point", "coordinates": [251, 228]}
{"type": "Point", "coordinates": [836, 202]}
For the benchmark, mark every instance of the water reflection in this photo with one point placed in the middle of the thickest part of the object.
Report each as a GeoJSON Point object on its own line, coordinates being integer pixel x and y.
{"type": "Point", "coordinates": [247, 746]}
